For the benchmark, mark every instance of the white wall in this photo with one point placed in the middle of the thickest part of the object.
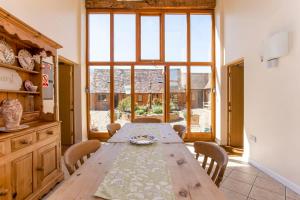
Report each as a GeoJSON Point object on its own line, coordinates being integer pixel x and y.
{"type": "Point", "coordinates": [57, 19]}
{"type": "Point", "coordinates": [221, 83]}
{"type": "Point", "coordinates": [272, 98]}
{"type": "Point", "coordinates": [60, 20]}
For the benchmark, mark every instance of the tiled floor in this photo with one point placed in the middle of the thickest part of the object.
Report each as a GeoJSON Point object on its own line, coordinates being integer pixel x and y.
{"type": "Point", "coordinates": [244, 182]}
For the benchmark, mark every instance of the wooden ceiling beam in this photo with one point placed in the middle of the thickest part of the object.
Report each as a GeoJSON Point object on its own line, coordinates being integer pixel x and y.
{"type": "Point", "coordinates": [150, 4]}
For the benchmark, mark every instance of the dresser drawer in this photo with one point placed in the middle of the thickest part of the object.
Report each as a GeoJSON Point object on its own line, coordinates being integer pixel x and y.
{"type": "Point", "coordinates": [21, 142]}
{"type": "Point", "coordinates": [46, 133]}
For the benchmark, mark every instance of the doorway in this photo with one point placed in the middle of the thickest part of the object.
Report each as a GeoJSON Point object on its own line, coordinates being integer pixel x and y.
{"type": "Point", "coordinates": [66, 101]}
{"type": "Point", "coordinates": [236, 104]}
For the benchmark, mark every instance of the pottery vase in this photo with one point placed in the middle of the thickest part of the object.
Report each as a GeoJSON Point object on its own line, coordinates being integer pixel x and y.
{"type": "Point", "coordinates": [11, 110]}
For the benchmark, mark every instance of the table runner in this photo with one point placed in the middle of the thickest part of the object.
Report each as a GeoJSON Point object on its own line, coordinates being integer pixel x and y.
{"type": "Point", "coordinates": [139, 172]}
{"type": "Point", "coordinates": [163, 132]}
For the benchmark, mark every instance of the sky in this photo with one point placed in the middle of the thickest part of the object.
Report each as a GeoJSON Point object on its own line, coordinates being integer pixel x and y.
{"type": "Point", "coordinates": [125, 37]}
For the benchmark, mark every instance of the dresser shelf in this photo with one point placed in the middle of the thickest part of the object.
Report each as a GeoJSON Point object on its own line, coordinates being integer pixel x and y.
{"type": "Point", "coordinates": [18, 68]}
{"type": "Point", "coordinates": [20, 92]}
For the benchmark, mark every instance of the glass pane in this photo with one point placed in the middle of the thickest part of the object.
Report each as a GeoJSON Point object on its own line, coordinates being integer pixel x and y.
{"type": "Point", "coordinates": [200, 99]}
{"type": "Point", "coordinates": [99, 37]}
{"type": "Point", "coordinates": [175, 38]}
{"type": "Point", "coordinates": [149, 91]}
{"type": "Point", "coordinates": [178, 114]}
{"type": "Point", "coordinates": [150, 38]}
{"type": "Point", "coordinates": [201, 38]}
{"type": "Point", "coordinates": [99, 98]}
{"type": "Point", "coordinates": [124, 37]}
{"type": "Point", "coordinates": [122, 94]}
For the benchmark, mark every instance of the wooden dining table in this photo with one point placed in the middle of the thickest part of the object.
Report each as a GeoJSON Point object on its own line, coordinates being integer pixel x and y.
{"type": "Point", "coordinates": [188, 179]}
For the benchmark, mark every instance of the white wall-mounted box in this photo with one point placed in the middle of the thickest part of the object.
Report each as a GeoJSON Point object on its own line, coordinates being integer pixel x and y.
{"type": "Point", "coordinates": [276, 46]}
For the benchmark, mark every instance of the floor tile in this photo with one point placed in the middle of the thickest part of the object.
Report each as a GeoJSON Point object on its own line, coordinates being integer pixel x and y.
{"type": "Point", "coordinates": [231, 195]}
{"type": "Point", "coordinates": [228, 171]}
{"type": "Point", "coordinates": [292, 195]}
{"type": "Point", "coordinates": [237, 186]}
{"type": "Point", "coordinates": [242, 176]}
{"type": "Point", "coordinates": [270, 185]}
{"type": "Point", "coordinates": [264, 176]}
{"type": "Point", "coordinates": [248, 169]}
{"type": "Point", "coordinates": [261, 194]}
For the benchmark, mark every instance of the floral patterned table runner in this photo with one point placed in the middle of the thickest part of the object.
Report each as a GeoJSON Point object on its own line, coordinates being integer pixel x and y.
{"type": "Point", "coordinates": [139, 172]}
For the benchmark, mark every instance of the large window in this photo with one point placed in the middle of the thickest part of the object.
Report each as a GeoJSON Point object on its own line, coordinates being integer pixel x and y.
{"type": "Point", "coordinates": [157, 64]}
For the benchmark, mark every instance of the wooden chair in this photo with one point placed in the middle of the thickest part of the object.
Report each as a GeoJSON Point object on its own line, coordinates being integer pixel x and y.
{"type": "Point", "coordinates": [113, 128]}
{"type": "Point", "coordinates": [217, 154]}
{"type": "Point", "coordinates": [77, 152]}
{"type": "Point", "coordinates": [180, 129]}
{"type": "Point", "coordinates": [146, 120]}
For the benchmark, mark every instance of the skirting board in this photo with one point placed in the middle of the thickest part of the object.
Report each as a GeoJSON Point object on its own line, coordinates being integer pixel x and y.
{"type": "Point", "coordinates": [279, 178]}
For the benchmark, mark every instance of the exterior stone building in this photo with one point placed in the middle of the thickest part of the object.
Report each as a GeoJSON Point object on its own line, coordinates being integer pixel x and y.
{"type": "Point", "coordinates": [149, 84]}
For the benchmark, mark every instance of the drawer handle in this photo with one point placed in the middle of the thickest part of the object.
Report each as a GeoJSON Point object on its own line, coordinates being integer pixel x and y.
{"type": "Point", "coordinates": [25, 142]}
{"type": "Point", "coordinates": [40, 169]}
{"type": "Point", "coordinates": [50, 132]}
{"type": "Point", "coordinates": [3, 192]}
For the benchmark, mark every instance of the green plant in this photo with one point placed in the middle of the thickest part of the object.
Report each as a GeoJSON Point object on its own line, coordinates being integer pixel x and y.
{"type": "Point", "coordinates": [140, 112]}
{"type": "Point", "coordinates": [125, 104]}
{"type": "Point", "coordinates": [173, 106]}
{"type": "Point", "coordinates": [156, 101]}
{"type": "Point", "coordinates": [157, 109]}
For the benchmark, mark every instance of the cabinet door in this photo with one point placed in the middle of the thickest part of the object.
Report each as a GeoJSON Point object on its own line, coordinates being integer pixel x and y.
{"type": "Point", "coordinates": [4, 183]}
{"type": "Point", "coordinates": [22, 177]}
{"type": "Point", "coordinates": [48, 163]}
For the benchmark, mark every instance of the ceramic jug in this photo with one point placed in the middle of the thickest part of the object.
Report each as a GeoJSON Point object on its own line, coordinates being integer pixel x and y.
{"type": "Point", "coordinates": [11, 110]}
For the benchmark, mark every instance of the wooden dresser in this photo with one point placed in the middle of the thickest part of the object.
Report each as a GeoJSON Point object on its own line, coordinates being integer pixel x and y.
{"type": "Point", "coordinates": [30, 159]}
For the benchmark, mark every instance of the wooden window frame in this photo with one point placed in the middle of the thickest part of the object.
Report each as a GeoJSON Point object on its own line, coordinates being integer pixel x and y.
{"type": "Point", "coordinates": [153, 12]}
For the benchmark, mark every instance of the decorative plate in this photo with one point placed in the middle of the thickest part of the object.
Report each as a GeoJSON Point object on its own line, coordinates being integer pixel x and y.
{"type": "Point", "coordinates": [28, 85]}
{"type": "Point", "coordinates": [142, 139]}
{"type": "Point", "coordinates": [25, 59]}
{"type": "Point", "coordinates": [21, 127]}
{"type": "Point", "coordinates": [7, 55]}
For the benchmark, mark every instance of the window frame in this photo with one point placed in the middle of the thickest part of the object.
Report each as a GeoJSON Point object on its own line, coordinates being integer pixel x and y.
{"type": "Point", "coordinates": [161, 61]}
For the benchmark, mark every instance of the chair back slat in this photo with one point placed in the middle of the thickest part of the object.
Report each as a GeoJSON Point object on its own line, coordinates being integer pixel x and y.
{"type": "Point", "coordinates": [217, 171]}
{"type": "Point", "coordinates": [146, 120]}
{"type": "Point", "coordinates": [217, 155]}
{"type": "Point", "coordinates": [81, 161]}
{"type": "Point", "coordinates": [211, 166]}
{"type": "Point", "coordinates": [77, 152]}
{"type": "Point", "coordinates": [76, 165]}
{"type": "Point", "coordinates": [204, 162]}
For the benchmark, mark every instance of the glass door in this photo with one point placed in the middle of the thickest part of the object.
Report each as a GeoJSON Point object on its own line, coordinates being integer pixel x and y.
{"type": "Point", "coordinates": [177, 112]}
{"type": "Point", "coordinates": [99, 84]}
{"type": "Point", "coordinates": [201, 99]}
{"type": "Point", "coordinates": [149, 91]}
{"type": "Point", "coordinates": [122, 94]}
